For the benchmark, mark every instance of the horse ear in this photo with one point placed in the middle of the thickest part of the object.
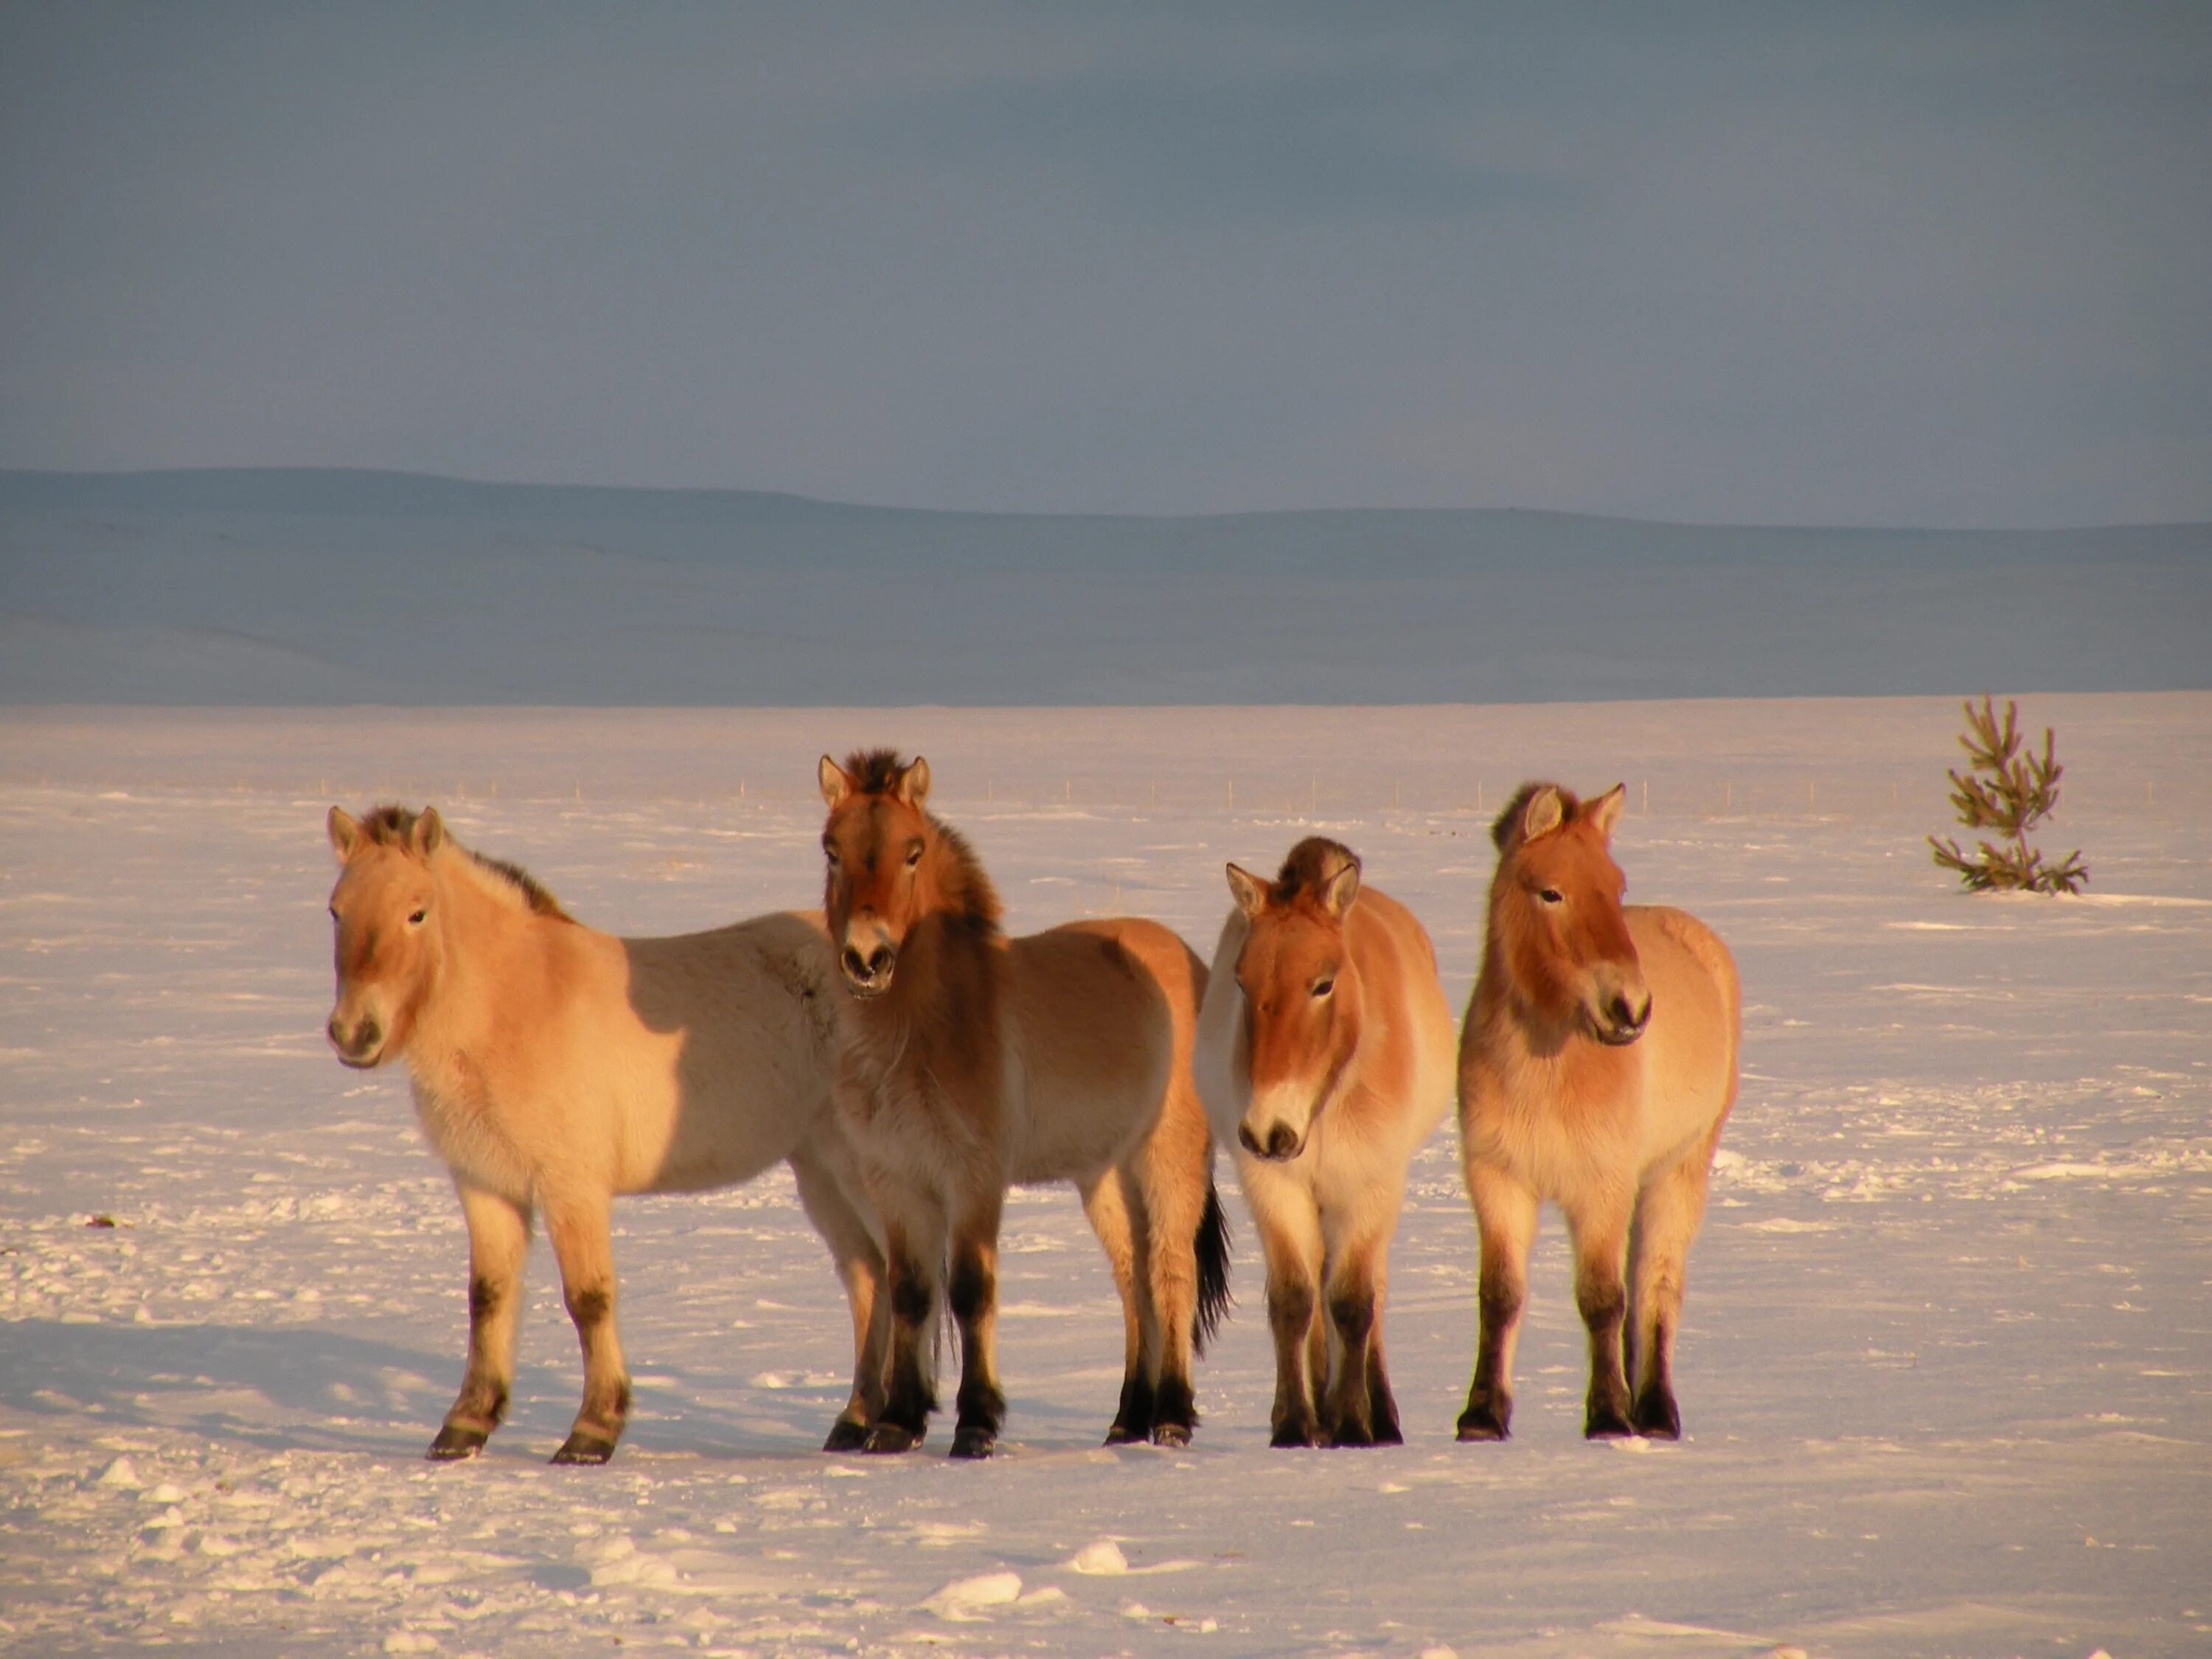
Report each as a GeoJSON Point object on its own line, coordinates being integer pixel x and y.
{"type": "Point", "coordinates": [1342, 888]}
{"type": "Point", "coordinates": [835, 785]}
{"type": "Point", "coordinates": [1544, 813]}
{"type": "Point", "coordinates": [429, 834]}
{"type": "Point", "coordinates": [1605, 811]}
{"type": "Point", "coordinates": [345, 832]}
{"type": "Point", "coordinates": [1247, 890]}
{"type": "Point", "coordinates": [914, 783]}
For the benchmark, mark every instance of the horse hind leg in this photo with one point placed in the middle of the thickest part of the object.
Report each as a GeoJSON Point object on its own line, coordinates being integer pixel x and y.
{"type": "Point", "coordinates": [973, 1294]}
{"type": "Point", "coordinates": [578, 1230]}
{"type": "Point", "coordinates": [1176, 1188]}
{"type": "Point", "coordinates": [499, 1242]}
{"type": "Point", "coordinates": [1107, 1206]}
{"type": "Point", "coordinates": [1505, 1216]}
{"type": "Point", "coordinates": [1667, 1214]}
{"type": "Point", "coordinates": [827, 1198]}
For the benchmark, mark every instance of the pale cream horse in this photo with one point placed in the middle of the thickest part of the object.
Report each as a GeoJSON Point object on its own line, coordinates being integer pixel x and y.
{"type": "Point", "coordinates": [1325, 1056]}
{"type": "Point", "coordinates": [968, 1061]}
{"type": "Point", "coordinates": [1597, 1066]}
{"type": "Point", "coordinates": [554, 1067]}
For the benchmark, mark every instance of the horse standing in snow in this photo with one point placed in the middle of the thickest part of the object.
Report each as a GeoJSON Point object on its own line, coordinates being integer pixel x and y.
{"type": "Point", "coordinates": [968, 1062]}
{"type": "Point", "coordinates": [1325, 1054]}
{"type": "Point", "coordinates": [555, 1066]}
{"type": "Point", "coordinates": [1596, 1067]}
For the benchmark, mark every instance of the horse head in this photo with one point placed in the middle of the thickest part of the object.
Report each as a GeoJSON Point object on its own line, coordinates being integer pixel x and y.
{"type": "Point", "coordinates": [1301, 992]}
{"type": "Point", "coordinates": [876, 847]}
{"type": "Point", "coordinates": [1555, 913]}
{"type": "Point", "coordinates": [390, 945]}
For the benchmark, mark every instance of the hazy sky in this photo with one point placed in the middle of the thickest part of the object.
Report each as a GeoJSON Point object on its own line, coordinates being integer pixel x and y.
{"type": "Point", "coordinates": [1945, 263]}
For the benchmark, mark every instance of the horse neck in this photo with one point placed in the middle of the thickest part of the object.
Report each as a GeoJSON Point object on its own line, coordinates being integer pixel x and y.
{"type": "Point", "coordinates": [1513, 1027]}
{"type": "Point", "coordinates": [482, 940]}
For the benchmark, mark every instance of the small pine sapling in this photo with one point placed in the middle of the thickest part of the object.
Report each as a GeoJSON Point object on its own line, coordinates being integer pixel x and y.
{"type": "Point", "coordinates": [2009, 790]}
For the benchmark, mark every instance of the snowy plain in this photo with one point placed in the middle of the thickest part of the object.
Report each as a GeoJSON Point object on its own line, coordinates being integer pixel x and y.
{"type": "Point", "coordinates": [1947, 1356]}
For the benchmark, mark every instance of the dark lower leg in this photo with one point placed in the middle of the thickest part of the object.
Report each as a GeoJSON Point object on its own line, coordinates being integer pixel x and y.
{"type": "Point", "coordinates": [1290, 1319]}
{"type": "Point", "coordinates": [1489, 1414]}
{"type": "Point", "coordinates": [1601, 1299]}
{"type": "Point", "coordinates": [909, 1399]}
{"type": "Point", "coordinates": [982, 1408]}
{"type": "Point", "coordinates": [1349, 1413]}
{"type": "Point", "coordinates": [498, 1238]}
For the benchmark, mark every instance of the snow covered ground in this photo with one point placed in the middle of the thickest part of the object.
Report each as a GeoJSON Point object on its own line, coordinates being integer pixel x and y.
{"type": "Point", "coordinates": [1946, 1359]}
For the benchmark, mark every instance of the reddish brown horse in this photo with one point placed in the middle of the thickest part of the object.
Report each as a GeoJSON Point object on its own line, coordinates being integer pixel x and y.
{"type": "Point", "coordinates": [968, 1061]}
{"type": "Point", "coordinates": [1597, 1065]}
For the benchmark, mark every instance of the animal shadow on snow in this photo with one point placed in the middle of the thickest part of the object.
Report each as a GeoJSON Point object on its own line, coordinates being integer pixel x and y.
{"type": "Point", "coordinates": [304, 1390]}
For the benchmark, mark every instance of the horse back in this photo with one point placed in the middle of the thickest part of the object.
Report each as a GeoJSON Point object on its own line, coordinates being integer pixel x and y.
{"type": "Point", "coordinates": [1689, 1054]}
{"type": "Point", "coordinates": [1103, 1013]}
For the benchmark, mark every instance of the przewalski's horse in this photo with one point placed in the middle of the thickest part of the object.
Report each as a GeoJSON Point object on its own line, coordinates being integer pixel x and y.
{"type": "Point", "coordinates": [968, 1062]}
{"type": "Point", "coordinates": [1596, 1066]}
{"type": "Point", "coordinates": [1325, 1056]}
{"type": "Point", "coordinates": [554, 1067]}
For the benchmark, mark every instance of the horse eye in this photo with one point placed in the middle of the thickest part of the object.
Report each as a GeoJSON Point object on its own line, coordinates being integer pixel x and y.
{"type": "Point", "coordinates": [334, 913]}
{"type": "Point", "coordinates": [1323, 986]}
{"type": "Point", "coordinates": [415, 920]}
{"type": "Point", "coordinates": [913, 857]}
{"type": "Point", "coordinates": [829, 852]}
{"type": "Point", "coordinates": [1553, 896]}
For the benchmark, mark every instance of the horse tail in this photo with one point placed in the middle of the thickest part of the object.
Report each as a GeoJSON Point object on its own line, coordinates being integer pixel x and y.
{"type": "Point", "coordinates": [1212, 1246]}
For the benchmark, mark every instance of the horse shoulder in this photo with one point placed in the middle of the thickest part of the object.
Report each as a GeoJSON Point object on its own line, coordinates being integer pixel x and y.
{"type": "Point", "coordinates": [1689, 1054]}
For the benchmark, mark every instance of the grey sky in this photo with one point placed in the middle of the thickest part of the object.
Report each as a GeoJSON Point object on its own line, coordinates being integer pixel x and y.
{"type": "Point", "coordinates": [1812, 263]}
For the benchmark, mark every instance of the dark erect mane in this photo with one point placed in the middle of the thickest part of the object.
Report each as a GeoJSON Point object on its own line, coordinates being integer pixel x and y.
{"type": "Point", "coordinates": [1505, 829]}
{"type": "Point", "coordinates": [968, 891]}
{"type": "Point", "coordinates": [393, 826]}
{"type": "Point", "coordinates": [1312, 864]}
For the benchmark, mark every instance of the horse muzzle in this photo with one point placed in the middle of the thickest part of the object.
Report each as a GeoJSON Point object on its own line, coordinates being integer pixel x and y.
{"type": "Point", "coordinates": [362, 1046]}
{"type": "Point", "coordinates": [1282, 1144]}
{"type": "Point", "coordinates": [868, 976]}
{"type": "Point", "coordinates": [1618, 1023]}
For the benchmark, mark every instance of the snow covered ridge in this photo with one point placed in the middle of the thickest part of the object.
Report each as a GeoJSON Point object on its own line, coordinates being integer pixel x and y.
{"type": "Point", "coordinates": [289, 586]}
{"type": "Point", "coordinates": [1944, 1376]}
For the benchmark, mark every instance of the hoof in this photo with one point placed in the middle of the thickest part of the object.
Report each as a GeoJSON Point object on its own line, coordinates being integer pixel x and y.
{"type": "Point", "coordinates": [454, 1443]}
{"type": "Point", "coordinates": [888, 1438]}
{"type": "Point", "coordinates": [1171, 1434]}
{"type": "Point", "coordinates": [1605, 1423]}
{"type": "Point", "coordinates": [1482, 1424]}
{"type": "Point", "coordinates": [1350, 1432]}
{"type": "Point", "coordinates": [847, 1435]}
{"type": "Point", "coordinates": [582, 1447]}
{"type": "Point", "coordinates": [1294, 1434]}
{"type": "Point", "coordinates": [1122, 1434]}
{"type": "Point", "coordinates": [972, 1440]}
{"type": "Point", "coordinates": [1654, 1416]}
{"type": "Point", "coordinates": [1389, 1434]}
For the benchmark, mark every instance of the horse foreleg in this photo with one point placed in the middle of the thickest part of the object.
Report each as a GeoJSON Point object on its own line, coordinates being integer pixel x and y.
{"type": "Point", "coordinates": [825, 1193]}
{"type": "Point", "coordinates": [1505, 1216]}
{"type": "Point", "coordinates": [1106, 1205]}
{"type": "Point", "coordinates": [914, 1252]}
{"type": "Point", "coordinates": [1667, 1213]}
{"type": "Point", "coordinates": [1361, 1410]}
{"type": "Point", "coordinates": [576, 1225]}
{"type": "Point", "coordinates": [1599, 1222]}
{"type": "Point", "coordinates": [1290, 1239]}
{"type": "Point", "coordinates": [498, 1242]}
{"type": "Point", "coordinates": [973, 1294]}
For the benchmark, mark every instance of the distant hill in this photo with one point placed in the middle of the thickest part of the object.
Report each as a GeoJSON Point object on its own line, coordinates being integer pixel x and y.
{"type": "Point", "coordinates": [290, 587]}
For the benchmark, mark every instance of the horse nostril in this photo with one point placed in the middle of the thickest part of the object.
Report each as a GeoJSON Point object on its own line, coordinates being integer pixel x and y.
{"type": "Point", "coordinates": [854, 965]}
{"type": "Point", "coordinates": [879, 961]}
{"type": "Point", "coordinates": [1282, 1143]}
{"type": "Point", "coordinates": [1249, 1141]}
{"type": "Point", "coordinates": [365, 1039]}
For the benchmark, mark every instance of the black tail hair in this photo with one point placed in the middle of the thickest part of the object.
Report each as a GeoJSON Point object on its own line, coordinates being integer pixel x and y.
{"type": "Point", "coordinates": [1213, 1241]}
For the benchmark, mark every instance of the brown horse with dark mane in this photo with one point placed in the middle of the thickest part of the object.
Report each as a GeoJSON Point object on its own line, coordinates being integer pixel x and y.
{"type": "Point", "coordinates": [968, 1061]}
{"type": "Point", "coordinates": [1596, 1066]}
